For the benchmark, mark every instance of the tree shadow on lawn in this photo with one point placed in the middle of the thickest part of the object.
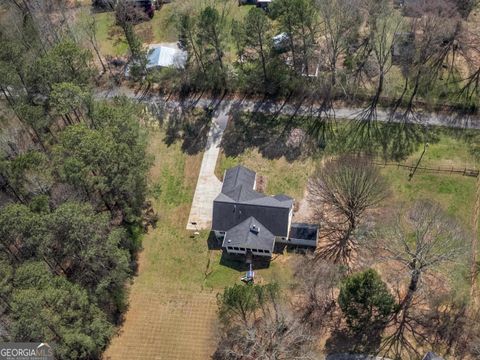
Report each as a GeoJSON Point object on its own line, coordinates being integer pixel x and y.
{"type": "Point", "coordinates": [390, 141]}
{"type": "Point", "coordinates": [342, 340]}
{"type": "Point", "coordinates": [273, 136]}
{"type": "Point", "coordinates": [190, 127]}
{"type": "Point", "coordinates": [276, 135]}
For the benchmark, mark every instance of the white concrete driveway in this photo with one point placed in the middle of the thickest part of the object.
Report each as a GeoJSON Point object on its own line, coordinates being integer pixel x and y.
{"type": "Point", "coordinates": [208, 185]}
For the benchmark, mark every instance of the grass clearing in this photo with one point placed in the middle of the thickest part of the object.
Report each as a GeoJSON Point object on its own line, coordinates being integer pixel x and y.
{"type": "Point", "coordinates": [449, 151]}
{"type": "Point", "coordinates": [170, 316]}
{"type": "Point", "coordinates": [454, 192]}
{"type": "Point", "coordinates": [172, 303]}
{"type": "Point", "coordinates": [110, 37]}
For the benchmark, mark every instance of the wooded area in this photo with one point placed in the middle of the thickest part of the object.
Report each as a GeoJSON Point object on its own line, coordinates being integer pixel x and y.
{"type": "Point", "coordinates": [73, 185]}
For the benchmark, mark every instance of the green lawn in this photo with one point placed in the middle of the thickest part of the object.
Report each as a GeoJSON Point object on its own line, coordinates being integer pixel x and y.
{"type": "Point", "coordinates": [449, 151]}
{"type": "Point", "coordinates": [162, 27]}
{"type": "Point", "coordinates": [173, 258]}
{"type": "Point", "coordinates": [454, 192]}
{"type": "Point", "coordinates": [220, 275]}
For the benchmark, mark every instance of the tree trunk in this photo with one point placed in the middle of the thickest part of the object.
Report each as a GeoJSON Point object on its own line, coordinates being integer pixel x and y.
{"type": "Point", "coordinates": [412, 288]}
{"type": "Point", "coordinates": [262, 58]}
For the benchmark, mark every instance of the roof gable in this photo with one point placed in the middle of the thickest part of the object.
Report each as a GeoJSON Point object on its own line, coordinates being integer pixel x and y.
{"type": "Point", "coordinates": [236, 176]}
{"type": "Point", "coordinates": [241, 193]}
{"type": "Point", "coordinates": [249, 234]}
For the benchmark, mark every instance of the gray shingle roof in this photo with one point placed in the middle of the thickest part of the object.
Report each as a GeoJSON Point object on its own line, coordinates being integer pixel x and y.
{"type": "Point", "coordinates": [238, 201]}
{"type": "Point", "coordinates": [249, 234]}
{"type": "Point", "coordinates": [238, 175]}
{"type": "Point", "coordinates": [283, 197]}
{"type": "Point", "coordinates": [228, 214]}
{"type": "Point", "coordinates": [241, 193]}
{"type": "Point", "coordinates": [271, 201]}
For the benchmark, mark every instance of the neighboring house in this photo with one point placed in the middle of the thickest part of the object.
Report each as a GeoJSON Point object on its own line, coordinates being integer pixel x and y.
{"type": "Point", "coordinates": [162, 56]}
{"type": "Point", "coordinates": [259, 3]}
{"type": "Point", "coordinates": [263, 4]}
{"type": "Point", "coordinates": [249, 222]}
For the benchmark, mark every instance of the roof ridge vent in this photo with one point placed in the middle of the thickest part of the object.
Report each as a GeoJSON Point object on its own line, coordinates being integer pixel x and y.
{"type": "Point", "coordinates": [254, 229]}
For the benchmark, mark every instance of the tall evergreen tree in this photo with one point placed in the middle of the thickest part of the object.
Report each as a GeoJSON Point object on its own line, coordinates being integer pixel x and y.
{"type": "Point", "coordinates": [108, 161]}
{"type": "Point", "coordinates": [51, 309]}
{"type": "Point", "coordinates": [366, 302]}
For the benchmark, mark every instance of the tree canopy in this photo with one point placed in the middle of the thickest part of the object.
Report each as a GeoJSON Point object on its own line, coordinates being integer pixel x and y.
{"type": "Point", "coordinates": [366, 302]}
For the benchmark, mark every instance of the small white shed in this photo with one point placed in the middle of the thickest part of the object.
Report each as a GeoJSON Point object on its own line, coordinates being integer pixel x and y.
{"type": "Point", "coordinates": [161, 56]}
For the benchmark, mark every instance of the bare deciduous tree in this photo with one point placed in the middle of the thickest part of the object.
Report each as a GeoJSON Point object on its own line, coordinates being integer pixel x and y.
{"type": "Point", "coordinates": [256, 325]}
{"type": "Point", "coordinates": [341, 191]}
{"type": "Point", "coordinates": [341, 21]}
{"type": "Point", "coordinates": [316, 282]}
{"type": "Point", "coordinates": [380, 43]}
{"type": "Point", "coordinates": [88, 24]}
{"type": "Point", "coordinates": [279, 337]}
{"type": "Point", "coordinates": [422, 238]}
{"type": "Point", "coordinates": [436, 43]}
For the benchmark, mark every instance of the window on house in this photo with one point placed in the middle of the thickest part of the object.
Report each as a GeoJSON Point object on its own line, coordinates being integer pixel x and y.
{"type": "Point", "coordinates": [235, 248]}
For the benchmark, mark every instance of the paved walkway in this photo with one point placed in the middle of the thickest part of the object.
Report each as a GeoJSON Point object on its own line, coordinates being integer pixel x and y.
{"type": "Point", "coordinates": [208, 185]}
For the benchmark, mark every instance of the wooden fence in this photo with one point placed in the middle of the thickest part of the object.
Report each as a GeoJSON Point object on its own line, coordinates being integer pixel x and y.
{"type": "Point", "coordinates": [445, 170]}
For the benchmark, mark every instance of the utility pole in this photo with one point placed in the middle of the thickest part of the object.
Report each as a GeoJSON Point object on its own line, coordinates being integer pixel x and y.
{"type": "Point", "coordinates": [425, 147]}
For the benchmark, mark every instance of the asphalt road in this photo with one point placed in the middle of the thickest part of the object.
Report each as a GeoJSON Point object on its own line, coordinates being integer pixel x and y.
{"type": "Point", "coordinates": [273, 107]}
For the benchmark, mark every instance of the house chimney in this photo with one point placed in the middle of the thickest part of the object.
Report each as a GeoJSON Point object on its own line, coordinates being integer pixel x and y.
{"type": "Point", "coordinates": [254, 229]}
